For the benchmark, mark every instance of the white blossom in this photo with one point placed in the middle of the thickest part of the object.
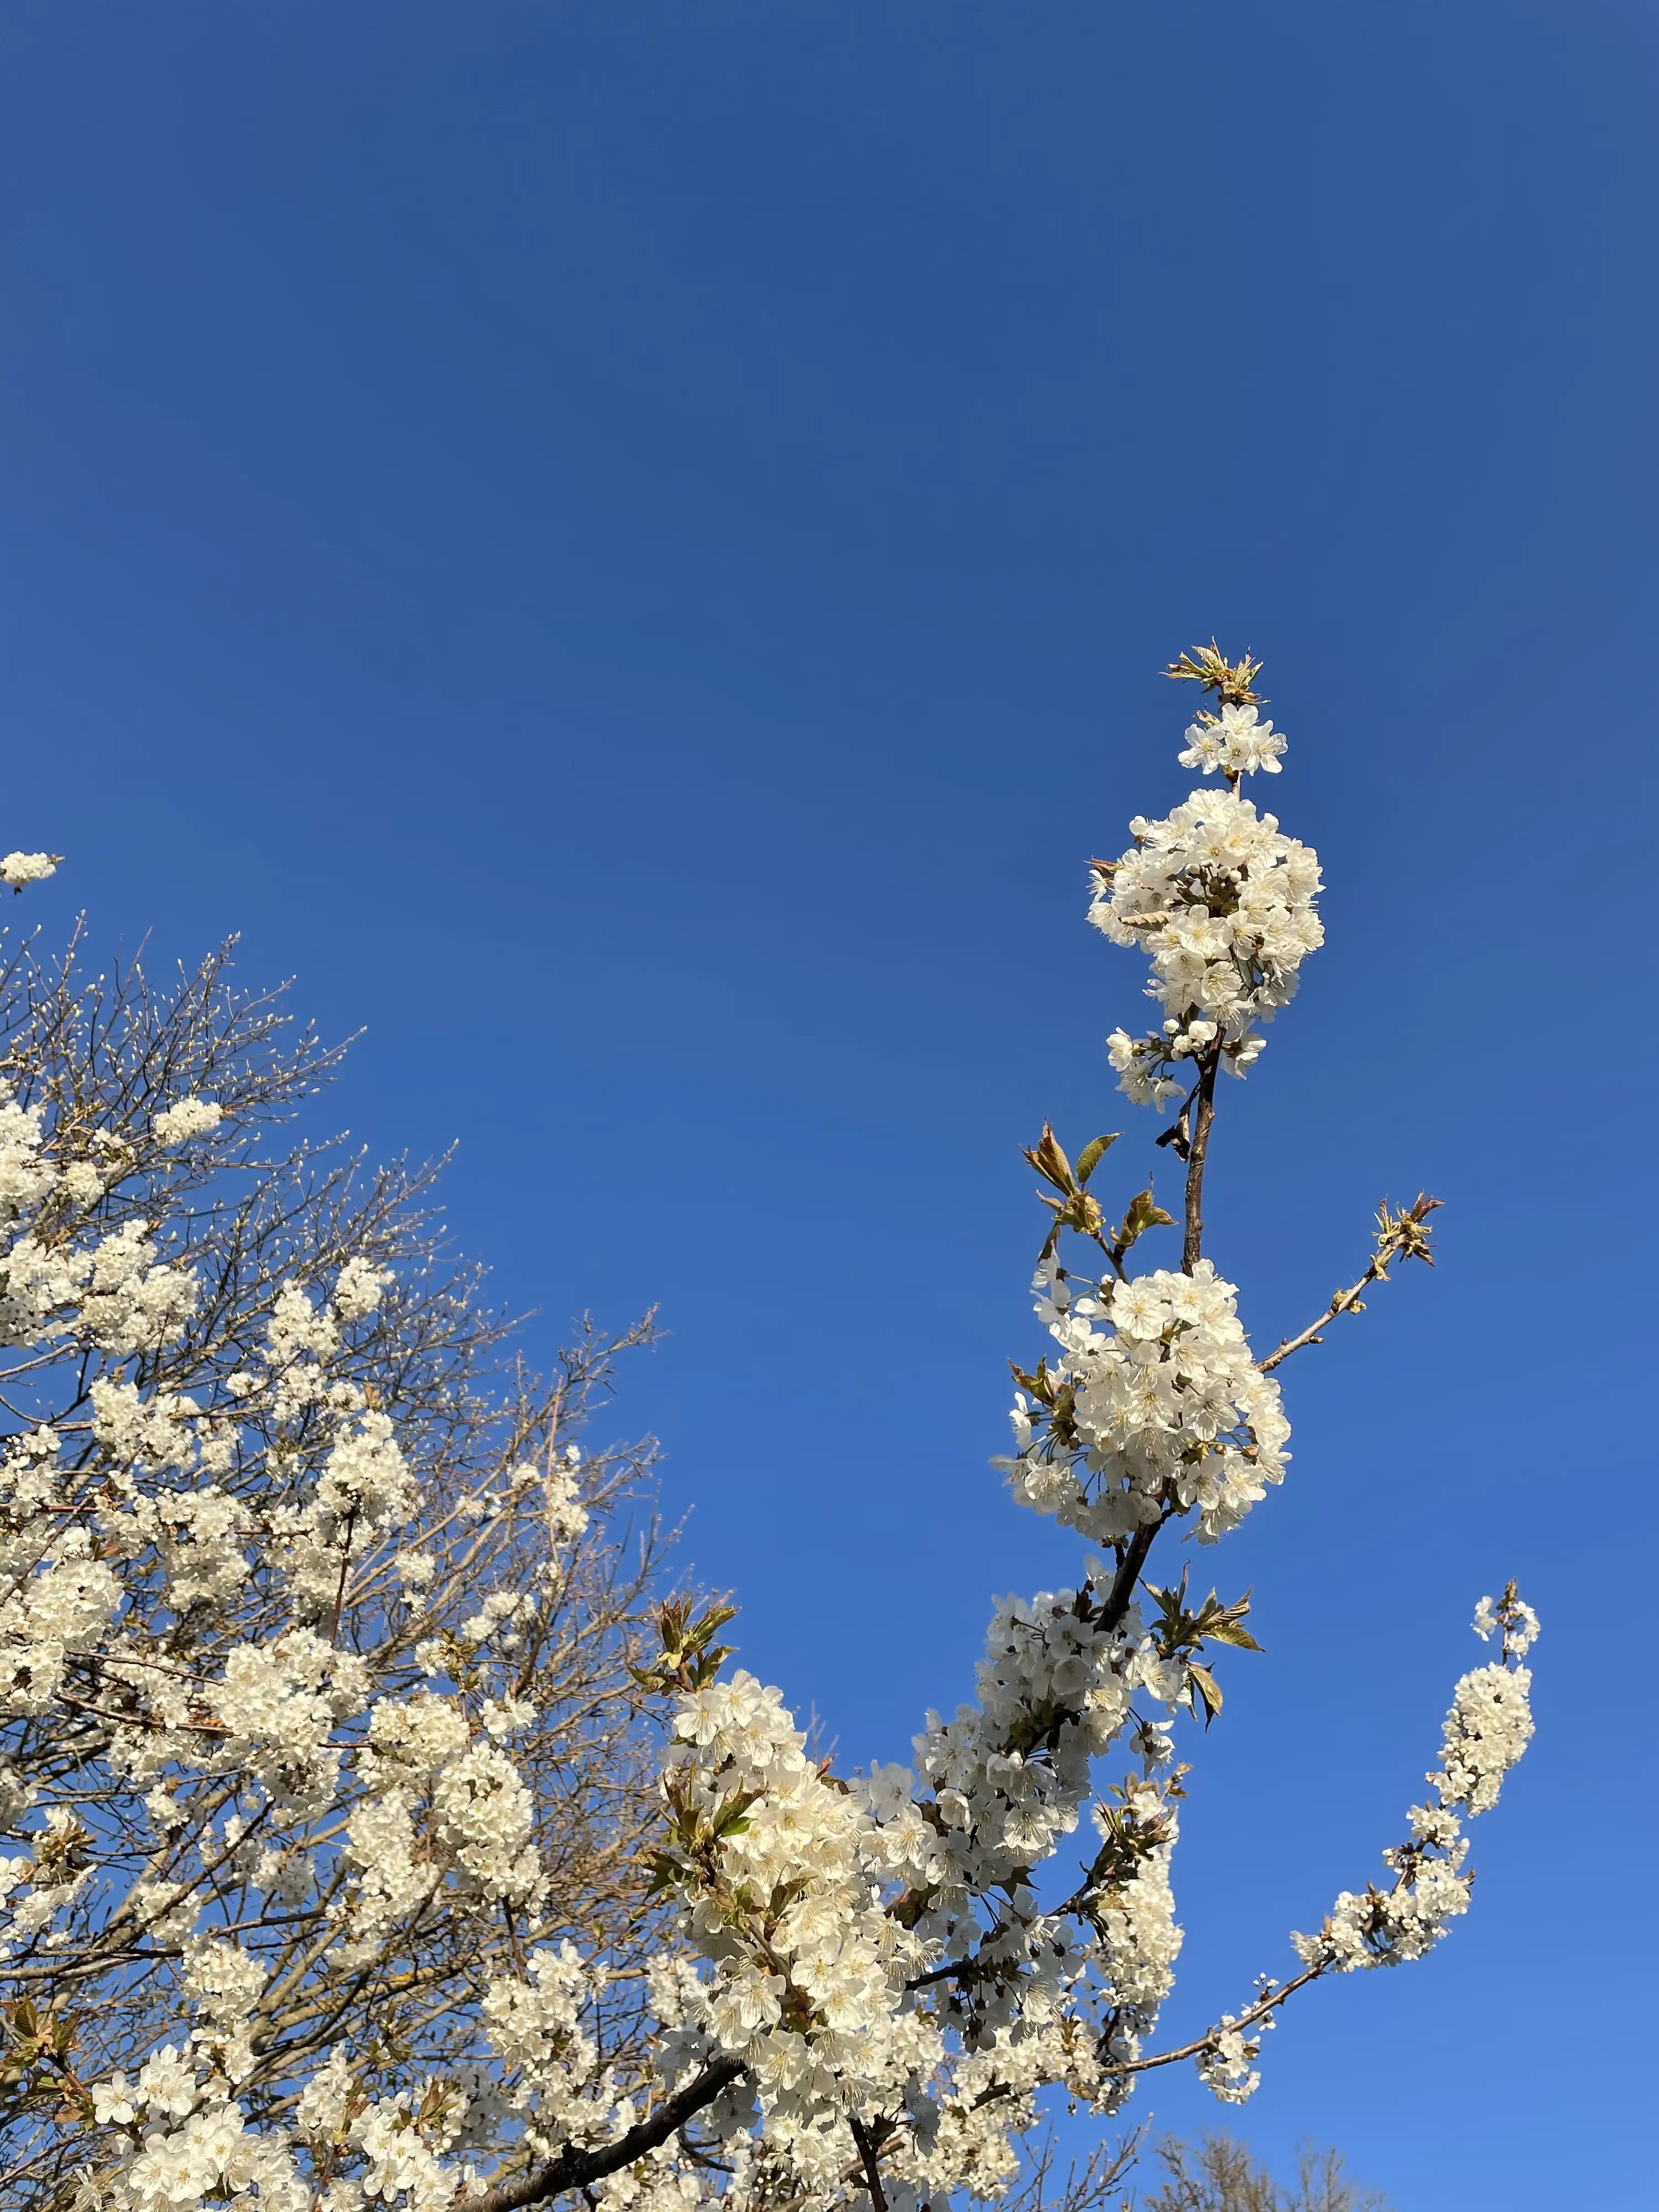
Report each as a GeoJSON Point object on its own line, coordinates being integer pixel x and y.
{"type": "Point", "coordinates": [20, 868]}
{"type": "Point", "coordinates": [1224, 903]}
{"type": "Point", "coordinates": [1486, 1732]}
{"type": "Point", "coordinates": [359, 1287]}
{"type": "Point", "coordinates": [1237, 741]}
{"type": "Point", "coordinates": [1168, 1408]}
{"type": "Point", "coordinates": [1512, 1619]}
{"type": "Point", "coordinates": [187, 1118]}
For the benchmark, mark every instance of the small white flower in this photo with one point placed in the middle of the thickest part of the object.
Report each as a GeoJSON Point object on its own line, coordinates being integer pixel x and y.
{"type": "Point", "coordinates": [112, 2102]}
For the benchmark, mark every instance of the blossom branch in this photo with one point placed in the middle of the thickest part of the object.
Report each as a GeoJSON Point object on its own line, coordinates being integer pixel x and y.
{"type": "Point", "coordinates": [325, 1720]}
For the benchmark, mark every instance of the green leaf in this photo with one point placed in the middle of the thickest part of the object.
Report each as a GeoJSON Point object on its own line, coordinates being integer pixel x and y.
{"type": "Point", "coordinates": [1229, 1632]}
{"type": "Point", "coordinates": [1092, 1154]}
{"type": "Point", "coordinates": [713, 1617]}
{"type": "Point", "coordinates": [1203, 1686]}
{"type": "Point", "coordinates": [1223, 1624]}
{"type": "Point", "coordinates": [730, 1816]}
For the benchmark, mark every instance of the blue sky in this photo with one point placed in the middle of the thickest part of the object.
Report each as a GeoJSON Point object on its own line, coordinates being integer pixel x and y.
{"type": "Point", "coordinates": [629, 547]}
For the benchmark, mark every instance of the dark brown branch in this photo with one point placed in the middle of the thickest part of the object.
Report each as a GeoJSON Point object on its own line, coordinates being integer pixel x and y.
{"type": "Point", "coordinates": [869, 2162]}
{"type": "Point", "coordinates": [1205, 1114]}
{"type": "Point", "coordinates": [575, 2168]}
{"type": "Point", "coordinates": [1122, 1591]}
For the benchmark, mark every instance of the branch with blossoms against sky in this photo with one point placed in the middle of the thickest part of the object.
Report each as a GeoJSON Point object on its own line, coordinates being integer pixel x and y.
{"type": "Point", "coordinates": [882, 1960]}
{"type": "Point", "coordinates": [325, 1695]}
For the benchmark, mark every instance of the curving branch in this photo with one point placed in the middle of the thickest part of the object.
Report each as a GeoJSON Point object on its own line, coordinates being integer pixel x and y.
{"type": "Point", "coordinates": [1253, 2017]}
{"type": "Point", "coordinates": [576, 2168]}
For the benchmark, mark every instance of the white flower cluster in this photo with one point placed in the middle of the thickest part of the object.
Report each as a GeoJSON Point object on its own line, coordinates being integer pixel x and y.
{"type": "Point", "coordinates": [566, 1516]}
{"type": "Point", "coordinates": [189, 1117]}
{"type": "Point", "coordinates": [359, 1288]}
{"type": "Point", "coordinates": [1488, 1727]}
{"type": "Point", "coordinates": [445, 1808]}
{"type": "Point", "coordinates": [116, 1292]}
{"type": "Point", "coordinates": [1010, 1775]}
{"type": "Point", "coordinates": [1139, 1941]}
{"type": "Point", "coordinates": [58, 1597]}
{"type": "Point", "coordinates": [399, 2139]}
{"type": "Point", "coordinates": [224, 1982]}
{"type": "Point", "coordinates": [1486, 1732]}
{"type": "Point", "coordinates": [20, 868]}
{"type": "Point", "coordinates": [1224, 2065]}
{"type": "Point", "coordinates": [535, 2030]}
{"type": "Point", "coordinates": [55, 1872]}
{"type": "Point", "coordinates": [190, 2142]}
{"type": "Point", "coordinates": [793, 1885]}
{"type": "Point", "coordinates": [25, 1175]}
{"type": "Point", "coordinates": [1237, 741]}
{"type": "Point", "coordinates": [279, 1704]}
{"type": "Point", "coordinates": [366, 1482]}
{"type": "Point", "coordinates": [1224, 903]}
{"type": "Point", "coordinates": [809, 1966]}
{"type": "Point", "coordinates": [1008, 1778]}
{"type": "Point", "coordinates": [552, 2083]}
{"type": "Point", "coordinates": [200, 1537]}
{"type": "Point", "coordinates": [1512, 1619]}
{"type": "Point", "coordinates": [1166, 1413]}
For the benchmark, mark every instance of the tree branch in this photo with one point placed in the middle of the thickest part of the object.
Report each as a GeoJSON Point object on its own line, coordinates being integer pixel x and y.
{"type": "Point", "coordinates": [1129, 1574]}
{"type": "Point", "coordinates": [575, 2168]}
{"type": "Point", "coordinates": [869, 2162]}
{"type": "Point", "coordinates": [1400, 1236]}
{"type": "Point", "coordinates": [1250, 2018]}
{"type": "Point", "coordinates": [1341, 1301]}
{"type": "Point", "coordinates": [1194, 1244]}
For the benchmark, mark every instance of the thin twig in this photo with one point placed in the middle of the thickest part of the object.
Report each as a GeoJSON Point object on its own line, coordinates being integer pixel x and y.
{"type": "Point", "coordinates": [1258, 2011]}
{"type": "Point", "coordinates": [1342, 1301]}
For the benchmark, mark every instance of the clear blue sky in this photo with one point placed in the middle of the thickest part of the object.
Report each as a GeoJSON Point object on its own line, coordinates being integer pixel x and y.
{"type": "Point", "coordinates": [629, 544]}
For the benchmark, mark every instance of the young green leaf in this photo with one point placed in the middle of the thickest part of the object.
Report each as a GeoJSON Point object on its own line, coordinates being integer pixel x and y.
{"type": "Point", "coordinates": [1092, 1154]}
{"type": "Point", "coordinates": [1203, 1688]}
{"type": "Point", "coordinates": [1229, 1632]}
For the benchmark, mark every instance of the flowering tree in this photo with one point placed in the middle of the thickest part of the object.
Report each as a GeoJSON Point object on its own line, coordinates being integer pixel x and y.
{"type": "Point", "coordinates": [323, 1684]}
{"type": "Point", "coordinates": [269, 1464]}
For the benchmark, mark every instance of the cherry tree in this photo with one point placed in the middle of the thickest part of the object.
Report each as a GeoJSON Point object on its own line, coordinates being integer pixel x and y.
{"type": "Point", "coordinates": [364, 1851]}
